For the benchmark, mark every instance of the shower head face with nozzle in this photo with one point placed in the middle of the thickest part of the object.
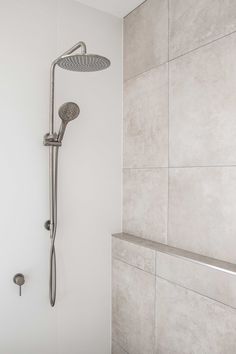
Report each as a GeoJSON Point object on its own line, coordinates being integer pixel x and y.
{"type": "Point", "coordinates": [68, 111]}
{"type": "Point", "coordinates": [84, 62]}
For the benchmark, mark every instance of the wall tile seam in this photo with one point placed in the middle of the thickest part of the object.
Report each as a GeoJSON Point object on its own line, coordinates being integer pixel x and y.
{"type": "Point", "coordinates": [202, 166]}
{"type": "Point", "coordinates": [203, 45]}
{"type": "Point", "coordinates": [132, 265]}
{"type": "Point", "coordinates": [115, 341]}
{"type": "Point", "coordinates": [155, 308]}
{"type": "Point", "coordinates": [175, 283]}
{"type": "Point", "coordinates": [155, 273]}
{"type": "Point", "coordinates": [175, 167]}
{"type": "Point", "coordinates": [196, 292]}
{"type": "Point", "coordinates": [144, 72]}
{"type": "Point", "coordinates": [179, 56]}
{"type": "Point", "coordinates": [168, 124]}
{"type": "Point", "coordinates": [145, 168]}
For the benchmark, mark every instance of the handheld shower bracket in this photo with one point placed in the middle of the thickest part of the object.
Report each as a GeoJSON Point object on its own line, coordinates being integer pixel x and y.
{"type": "Point", "coordinates": [51, 140]}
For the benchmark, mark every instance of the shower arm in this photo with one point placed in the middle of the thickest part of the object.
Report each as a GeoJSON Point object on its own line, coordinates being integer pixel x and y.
{"type": "Point", "coordinates": [52, 135]}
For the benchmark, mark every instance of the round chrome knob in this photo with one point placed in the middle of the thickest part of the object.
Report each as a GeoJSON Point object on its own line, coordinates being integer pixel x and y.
{"type": "Point", "coordinates": [19, 280]}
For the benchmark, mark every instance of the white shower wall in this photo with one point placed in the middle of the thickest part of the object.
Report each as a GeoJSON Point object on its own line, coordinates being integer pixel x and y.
{"type": "Point", "coordinates": [32, 34]}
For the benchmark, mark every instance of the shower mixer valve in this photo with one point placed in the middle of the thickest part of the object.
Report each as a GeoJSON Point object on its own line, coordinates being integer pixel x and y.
{"type": "Point", "coordinates": [19, 280]}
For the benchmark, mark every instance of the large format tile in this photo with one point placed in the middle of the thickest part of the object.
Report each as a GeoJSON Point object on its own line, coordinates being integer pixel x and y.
{"type": "Point", "coordinates": [203, 106]}
{"type": "Point", "coordinates": [188, 323]}
{"type": "Point", "coordinates": [137, 255]}
{"type": "Point", "coordinates": [195, 23]}
{"type": "Point", "coordinates": [146, 119]}
{"type": "Point", "coordinates": [208, 281]}
{"type": "Point", "coordinates": [145, 203]}
{"type": "Point", "coordinates": [116, 349]}
{"type": "Point", "coordinates": [145, 37]}
{"type": "Point", "coordinates": [133, 308]}
{"type": "Point", "coordinates": [202, 209]}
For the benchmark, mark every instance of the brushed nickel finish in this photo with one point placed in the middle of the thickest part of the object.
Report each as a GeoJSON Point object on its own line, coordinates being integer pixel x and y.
{"type": "Point", "coordinates": [67, 112]}
{"type": "Point", "coordinates": [19, 280]}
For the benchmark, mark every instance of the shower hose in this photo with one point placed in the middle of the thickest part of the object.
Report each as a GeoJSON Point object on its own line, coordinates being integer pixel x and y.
{"type": "Point", "coordinates": [53, 227]}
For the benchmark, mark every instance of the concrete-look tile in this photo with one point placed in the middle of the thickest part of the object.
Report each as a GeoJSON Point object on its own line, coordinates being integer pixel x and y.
{"type": "Point", "coordinates": [188, 323]}
{"type": "Point", "coordinates": [202, 209]}
{"type": "Point", "coordinates": [210, 282]}
{"type": "Point", "coordinates": [145, 37]}
{"type": "Point", "coordinates": [146, 119]}
{"type": "Point", "coordinates": [145, 203]}
{"type": "Point", "coordinates": [195, 23]}
{"type": "Point", "coordinates": [133, 308]}
{"type": "Point", "coordinates": [133, 254]}
{"type": "Point", "coordinates": [203, 106]}
{"type": "Point", "coordinates": [116, 349]}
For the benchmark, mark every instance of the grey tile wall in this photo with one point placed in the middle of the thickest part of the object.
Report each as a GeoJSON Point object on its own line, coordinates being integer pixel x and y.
{"type": "Point", "coordinates": [208, 281]}
{"type": "Point", "coordinates": [179, 174]}
{"type": "Point", "coordinates": [146, 119]}
{"type": "Point", "coordinates": [133, 308]}
{"type": "Point", "coordinates": [145, 37]}
{"type": "Point", "coordinates": [202, 209]}
{"type": "Point", "coordinates": [187, 322]}
{"type": "Point", "coordinates": [203, 106]}
{"type": "Point", "coordinates": [181, 113]}
{"type": "Point", "coordinates": [131, 253]}
{"type": "Point", "coordinates": [193, 320]}
{"type": "Point", "coordinates": [195, 23]}
{"type": "Point", "coordinates": [145, 203]}
{"type": "Point", "coordinates": [116, 349]}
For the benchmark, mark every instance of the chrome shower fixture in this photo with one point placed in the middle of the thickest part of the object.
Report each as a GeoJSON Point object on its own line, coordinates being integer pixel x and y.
{"type": "Point", "coordinates": [81, 62]}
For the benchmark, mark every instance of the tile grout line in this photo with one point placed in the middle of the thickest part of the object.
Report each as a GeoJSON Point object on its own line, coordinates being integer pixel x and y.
{"type": "Point", "coordinates": [115, 341]}
{"type": "Point", "coordinates": [168, 124]}
{"type": "Point", "coordinates": [145, 71]}
{"type": "Point", "coordinates": [203, 45]}
{"type": "Point", "coordinates": [195, 292]}
{"type": "Point", "coordinates": [155, 306]}
{"type": "Point", "coordinates": [174, 283]}
{"type": "Point", "coordinates": [179, 56]}
{"type": "Point", "coordinates": [176, 167]}
{"type": "Point", "coordinates": [131, 265]}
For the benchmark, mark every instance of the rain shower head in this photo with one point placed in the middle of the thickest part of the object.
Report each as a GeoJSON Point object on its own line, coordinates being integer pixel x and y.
{"type": "Point", "coordinates": [67, 112]}
{"type": "Point", "coordinates": [84, 62]}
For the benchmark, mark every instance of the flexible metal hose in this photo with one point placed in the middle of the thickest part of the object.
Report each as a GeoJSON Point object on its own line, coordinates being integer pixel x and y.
{"type": "Point", "coordinates": [53, 270]}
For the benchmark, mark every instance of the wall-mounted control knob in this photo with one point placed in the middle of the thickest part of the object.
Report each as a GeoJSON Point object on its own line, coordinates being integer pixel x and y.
{"type": "Point", "coordinates": [19, 280]}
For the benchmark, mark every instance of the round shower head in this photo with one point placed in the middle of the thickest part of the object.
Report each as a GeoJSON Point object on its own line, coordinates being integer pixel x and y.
{"type": "Point", "coordinates": [84, 62]}
{"type": "Point", "coordinates": [68, 111]}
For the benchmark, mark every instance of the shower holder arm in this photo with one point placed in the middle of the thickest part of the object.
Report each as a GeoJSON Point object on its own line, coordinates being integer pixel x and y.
{"type": "Point", "coordinates": [51, 140]}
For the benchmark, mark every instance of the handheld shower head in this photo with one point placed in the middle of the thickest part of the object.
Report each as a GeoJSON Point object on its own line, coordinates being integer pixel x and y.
{"type": "Point", "coordinates": [67, 112]}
